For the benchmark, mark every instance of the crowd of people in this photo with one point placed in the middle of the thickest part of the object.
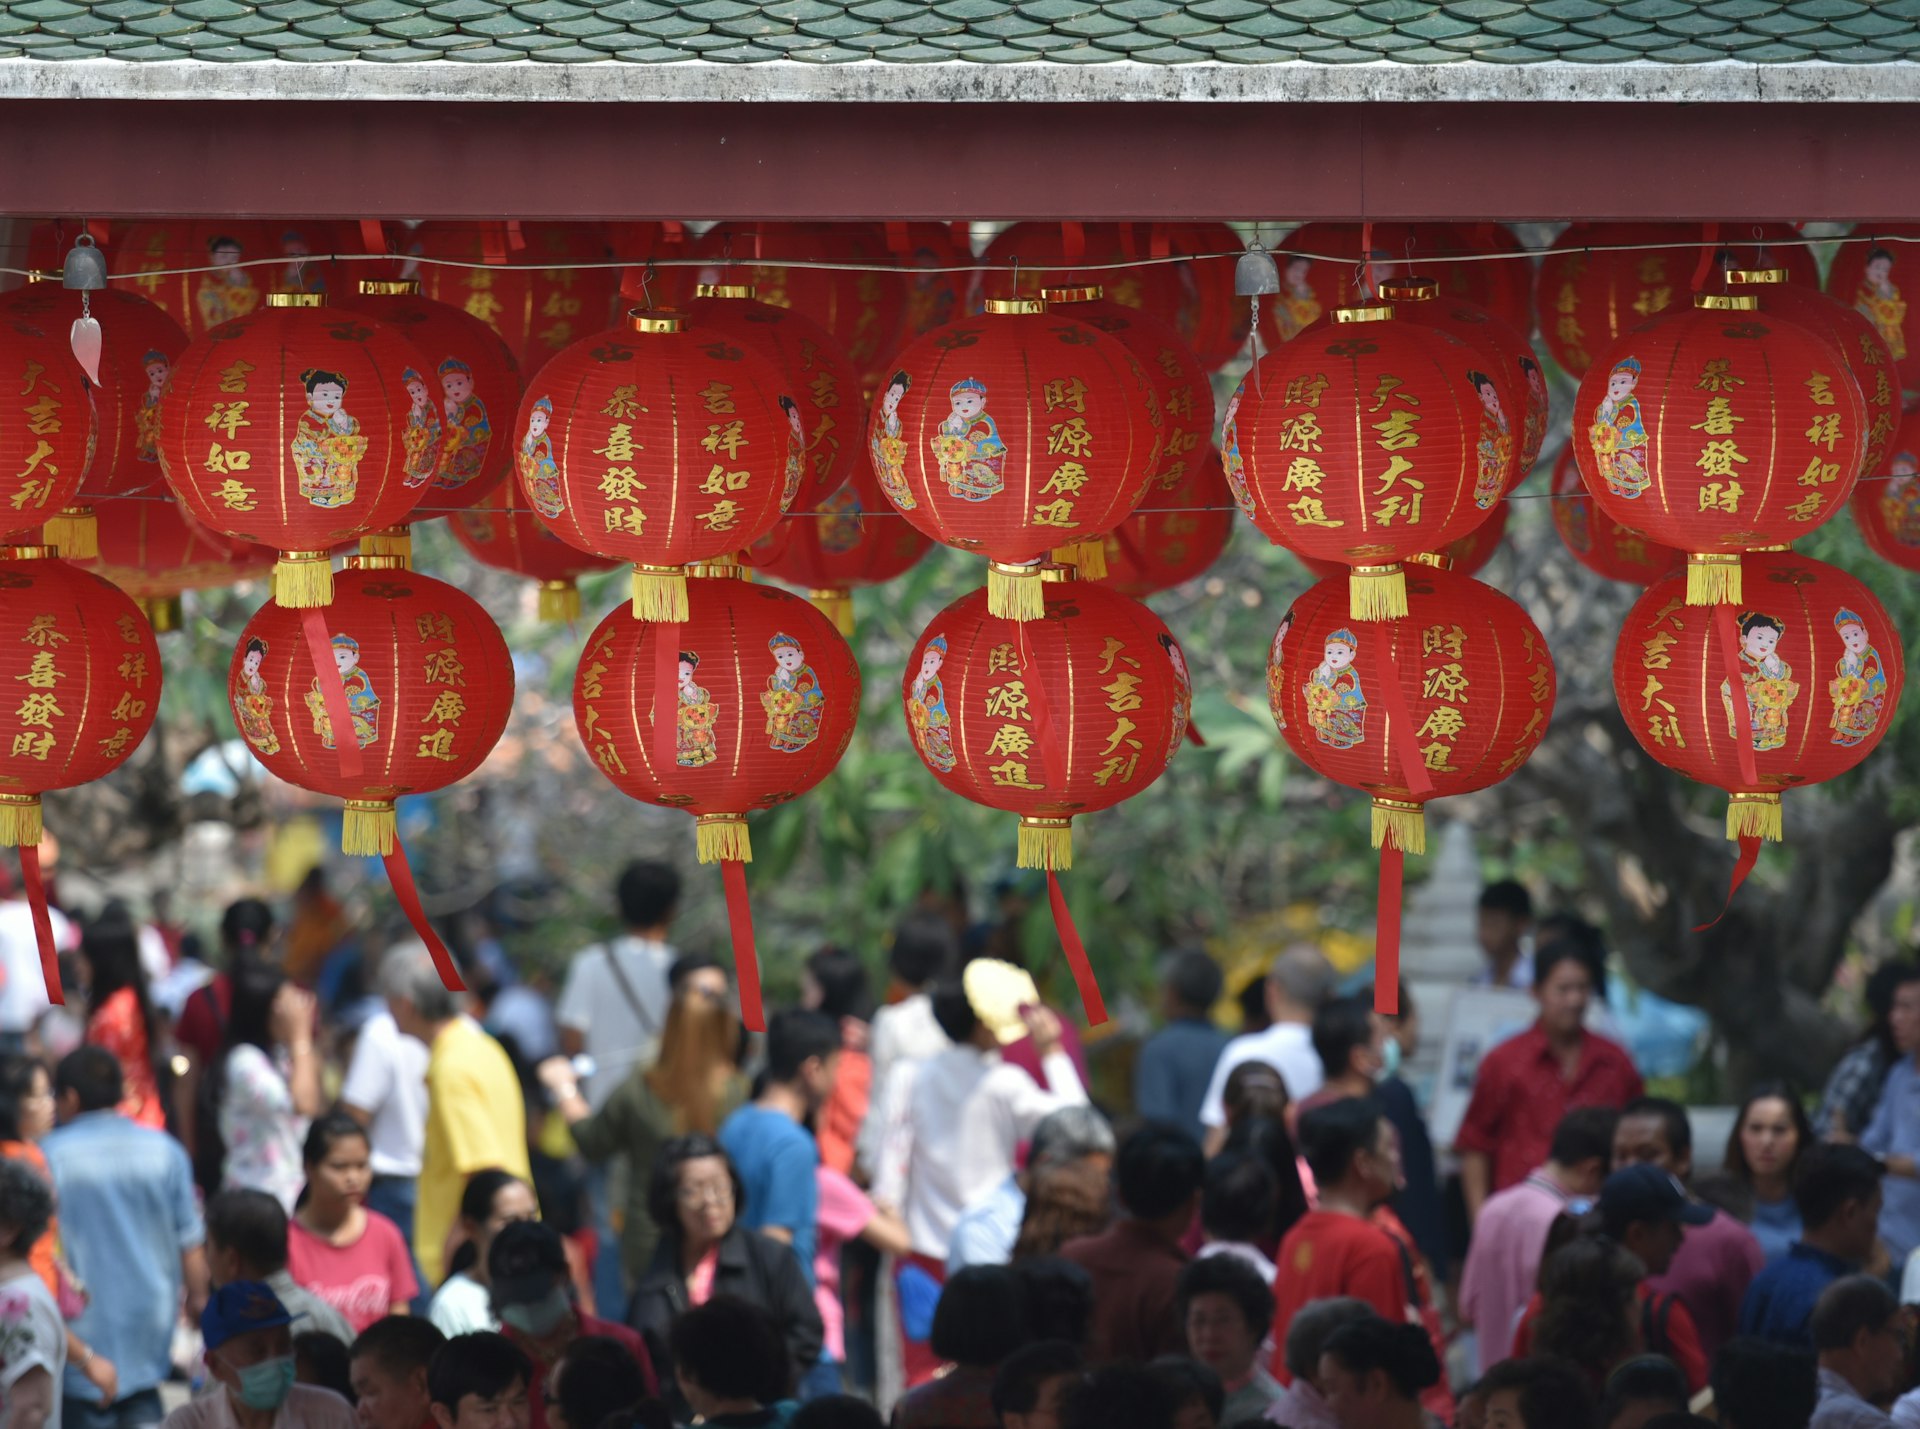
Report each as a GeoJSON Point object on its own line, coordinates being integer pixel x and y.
{"type": "Point", "coordinates": [243, 1188]}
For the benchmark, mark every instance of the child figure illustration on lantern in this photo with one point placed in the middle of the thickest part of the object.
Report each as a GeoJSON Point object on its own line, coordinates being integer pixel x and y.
{"type": "Point", "coordinates": [227, 292]}
{"type": "Point", "coordinates": [1900, 502]}
{"type": "Point", "coordinates": [693, 736]}
{"type": "Point", "coordinates": [1274, 685]}
{"type": "Point", "coordinates": [927, 709]}
{"type": "Point", "coordinates": [792, 698]}
{"type": "Point", "coordinates": [1533, 428]}
{"type": "Point", "coordinates": [1859, 683]}
{"type": "Point", "coordinates": [840, 527]}
{"type": "Point", "coordinates": [1231, 461]}
{"type": "Point", "coordinates": [1298, 306]}
{"type": "Point", "coordinates": [1880, 302]}
{"type": "Point", "coordinates": [796, 453]}
{"type": "Point", "coordinates": [1770, 687]}
{"type": "Point", "coordinates": [363, 705]}
{"type": "Point", "coordinates": [888, 447]}
{"type": "Point", "coordinates": [1618, 435]}
{"type": "Point", "coordinates": [972, 458]}
{"type": "Point", "coordinates": [1336, 705]}
{"type": "Point", "coordinates": [468, 433]}
{"type": "Point", "coordinates": [146, 421]}
{"type": "Point", "coordinates": [539, 476]}
{"type": "Point", "coordinates": [1496, 443]}
{"type": "Point", "coordinates": [327, 445]}
{"type": "Point", "coordinates": [252, 705]}
{"type": "Point", "coordinates": [420, 442]}
{"type": "Point", "coordinates": [1182, 693]}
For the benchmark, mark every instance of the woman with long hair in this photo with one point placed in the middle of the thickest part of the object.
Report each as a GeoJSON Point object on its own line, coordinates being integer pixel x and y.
{"type": "Point", "coordinates": [119, 1013]}
{"type": "Point", "coordinates": [1589, 1311]}
{"type": "Point", "coordinates": [834, 981]}
{"type": "Point", "coordinates": [492, 1199]}
{"type": "Point", "coordinates": [1853, 1088]}
{"type": "Point", "coordinates": [353, 1258]}
{"type": "Point", "coordinates": [266, 1087]}
{"type": "Point", "coordinates": [1065, 1200]}
{"type": "Point", "coordinates": [247, 934]}
{"type": "Point", "coordinates": [1770, 1135]}
{"type": "Point", "coordinates": [1268, 1138]}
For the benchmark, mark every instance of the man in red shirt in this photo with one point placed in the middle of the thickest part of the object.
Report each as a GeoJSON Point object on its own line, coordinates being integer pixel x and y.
{"type": "Point", "coordinates": [1528, 1083]}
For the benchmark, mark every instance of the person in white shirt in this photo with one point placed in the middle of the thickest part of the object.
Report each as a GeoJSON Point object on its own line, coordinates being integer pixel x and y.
{"type": "Point", "coordinates": [904, 1032]}
{"type": "Point", "coordinates": [23, 990]}
{"type": "Point", "coordinates": [249, 1346]}
{"type": "Point", "coordinates": [1301, 979]}
{"type": "Point", "coordinates": [33, 1338]}
{"type": "Point", "coordinates": [386, 1092]}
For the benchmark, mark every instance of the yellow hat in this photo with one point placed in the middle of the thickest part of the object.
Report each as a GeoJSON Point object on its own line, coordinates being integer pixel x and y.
{"type": "Point", "coordinates": [997, 991]}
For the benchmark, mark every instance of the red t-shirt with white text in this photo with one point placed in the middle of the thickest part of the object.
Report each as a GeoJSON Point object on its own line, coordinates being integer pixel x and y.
{"type": "Point", "coordinates": [363, 1281]}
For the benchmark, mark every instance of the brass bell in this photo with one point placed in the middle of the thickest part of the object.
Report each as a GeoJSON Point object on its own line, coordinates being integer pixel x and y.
{"type": "Point", "coordinates": [86, 266]}
{"type": "Point", "coordinates": [1255, 273]}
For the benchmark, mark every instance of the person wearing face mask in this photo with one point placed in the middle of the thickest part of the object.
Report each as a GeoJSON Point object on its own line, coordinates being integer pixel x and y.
{"type": "Point", "coordinates": [532, 1291]}
{"type": "Point", "coordinates": [492, 1200]}
{"type": "Point", "coordinates": [250, 1354]}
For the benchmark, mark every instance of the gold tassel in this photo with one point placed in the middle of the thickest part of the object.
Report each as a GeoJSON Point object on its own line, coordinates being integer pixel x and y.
{"type": "Point", "coordinates": [1713, 578]}
{"type": "Point", "coordinates": [394, 541]}
{"type": "Point", "coordinates": [1088, 557]}
{"type": "Point", "coordinates": [1376, 593]}
{"type": "Point", "coordinates": [1752, 816]}
{"type": "Point", "coordinates": [1045, 843]}
{"type": "Point", "coordinates": [559, 601]}
{"type": "Point", "coordinates": [837, 606]}
{"type": "Point", "coordinates": [369, 828]}
{"type": "Point", "coordinates": [74, 533]}
{"type": "Point", "coordinates": [722, 838]}
{"type": "Point", "coordinates": [19, 820]}
{"type": "Point", "coordinates": [303, 580]}
{"type": "Point", "coordinates": [1015, 592]}
{"type": "Point", "coordinates": [163, 612]}
{"type": "Point", "coordinates": [1404, 823]}
{"type": "Point", "coordinates": [660, 593]}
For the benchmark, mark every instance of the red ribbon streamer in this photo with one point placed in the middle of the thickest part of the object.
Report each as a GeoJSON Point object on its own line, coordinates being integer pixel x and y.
{"type": "Point", "coordinates": [1043, 731]}
{"type": "Point", "coordinates": [746, 961]}
{"type": "Point", "coordinates": [1073, 241]}
{"type": "Point", "coordinates": [1193, 735]}
{"type": "Point", "coordinates": [333, 692]}
{"type": "Point", "coordinates": [516, 240]}
{"type": "Point", "coordinates": [1366, 256]}
{"type": "Point", "coordinates": [1089, 985]}
{"type": "Point", "coordinates": [1386, 936]}
{"type": "Point", "coordinates": [1400, 726]}
{"type": "Point", "coordinates": [1723, 627]}
{"type": "Point", "coordinates": [400, 875]}
{"type": "Point", "coordinates": [1742, 866]}
{"type": "Point", "coordinates": [1709, 245]}
{"type": "Point", "coordinates": [374, 234]}
{"type": "Point", "coordinates": [42, 924]}
{"type": "Point", "coordinates": [493, 243]}
{"type": "Point", "coordinates": [666, 697]}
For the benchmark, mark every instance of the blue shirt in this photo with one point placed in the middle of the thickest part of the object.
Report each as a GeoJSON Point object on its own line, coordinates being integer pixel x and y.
{"type": "Point", "coordinates": [1171, 1074]}
{"type": "Point", "coordinates": [987, 1229]}
{"type": "Point", "coordinates": [1895, 1131]}
{"type": "Point", "coordinates": [127, 1213]}
{"type": "Point", "coordinates": [777, 1162]}
{"type": "Point", "coordinates": [1776, 1225]}
{"type": "Point", "coordinates": [1779, 1303]}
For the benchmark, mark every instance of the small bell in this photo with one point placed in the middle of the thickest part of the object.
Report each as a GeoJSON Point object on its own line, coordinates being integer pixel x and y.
{"type": "Point", "coordinates": [86, 266]}
{"type": "Point", "coordinates": [1255, 274]}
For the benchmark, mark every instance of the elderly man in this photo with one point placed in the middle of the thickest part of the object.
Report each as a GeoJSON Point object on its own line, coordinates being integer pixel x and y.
{"type": "Point", "coordinates": [987, 1229]}
{"type": "Point", "coordinates": [1301, 979]}
{"type": "Point", "coordinates": [250, 1355]}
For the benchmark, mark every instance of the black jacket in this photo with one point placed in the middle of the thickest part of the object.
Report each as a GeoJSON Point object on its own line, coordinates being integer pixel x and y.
{"type": "Point", "coordinates": [753, 1268]}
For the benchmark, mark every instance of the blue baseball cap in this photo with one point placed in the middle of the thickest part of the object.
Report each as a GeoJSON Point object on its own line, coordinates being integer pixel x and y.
{"type": "Point", "coordinates": [1646, 1193]}
{"type": "Point", "coordinates": [238, 1307]}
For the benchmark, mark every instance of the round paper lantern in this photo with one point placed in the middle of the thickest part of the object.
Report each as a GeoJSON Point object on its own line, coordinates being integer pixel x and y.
{"type": "Point", "coordinates": [1504, 288]}
{"type": "Point", "coordinates": [1014, 433]}
{"type": "Point", "coordinates": [1221, 319]}
{"type": "Point", "coordinates": [820, 382]}
{"type": "Point", "coordinates": [141, 259]}
{"type": "Point", "coordinates": [1718, 428]}
{"type": "Point", "coordinates": [1467, 556]}
{"type": "Point", "coordinates": [934, 299]}
{"type": "Point", "coordinates": [1367, 441]}
{"type": "Point", "coordinates": [47, 427]}
{"type": "Point", "coordinates": [498, 532]}
{"type": "Point", "coordinates": [853, 539]}
{"type": "Point", "coordinates": [652, 444]}
{"type": "Point", "coordinates": [154, 551]}
{"type": "Point", "coordinates": [1596, 284]}
{"type": "Point", "coordinates": [1059, 255]}
{"type": "Point", "coordinates": [1599, 542]}
{"type": "Point", "coordinates": [290, 428]}
{"type": "Point", "coordinates": [1875, 279]}
{"type": "Point", "coordinates": [1177, 534]}
{"type": "Point", "coordinates": [1886, 507]}
{"type": "Point", "coordinates": [1795, 685]}
{"type": "Point", "coordinates": [520, 285]}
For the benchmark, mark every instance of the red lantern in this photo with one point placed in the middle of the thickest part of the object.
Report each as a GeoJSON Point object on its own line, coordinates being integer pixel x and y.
{"type": "Point", "coordinates": [820, 382]}
{"type": "Point", "coordinates": [763, 695]}
{"type": "Point", "coordinates": [1367, 441]}
{"type": "Point", "coordinates": [46, 426]}
{"type": "Point", "coordinates": [515, 278]}
{"type": "Point", "coordinates": [1014, 433]}
{"type": "Point", "coordinates": [615, 431]}
{"type": "Point", "coordinates": [934, 299]}
{"type": "Point", "coordinates": [154, 551]}
{"type": "Point", "coordinates": [1599, 542]}
{"type": "Point", "coordinates": [1602, 279]}
{"type": "Point", "coordinates": [289, 428]}
{"type": "Point", "coordinates": [1221, 319]}
{"type": "Point", "coordinates": [1872, 278]}
{"type": "Point", "coordinates": [1886, 508]}
{"type": "Point", "coordinates": [499, 533]}
{"type": "Point", "coordinates": [231, 283]}
{"type": "Point", "coordinates": [1177, 534]}
{"type": "Point", "coordinates": [1059, 255]}
{"type": "Point", "coordinates": [1794, 686]}
{"type": "Point", "coordinates": [1719, 428]}
{"type": "Point", "coordinates": [85, 672]}
{"type": "Point", "coordinates": [852, 540]}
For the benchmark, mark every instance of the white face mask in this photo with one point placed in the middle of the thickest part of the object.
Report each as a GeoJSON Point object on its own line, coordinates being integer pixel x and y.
{"type": "Point", "coordinates": [538, 1318]}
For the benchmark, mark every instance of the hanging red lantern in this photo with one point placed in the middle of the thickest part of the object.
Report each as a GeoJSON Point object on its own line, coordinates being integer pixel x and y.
{"type": "Point", "coordinates": [820, 383]}
{"type": "Point", "coordinates": [498, 532]}
{"type": "Point", "coordinates": [289, 428]}
{"type": "Point", "coordinates": [1177, 534]}
{"type": "Point", "coordinates": [1886, 507]}
{"type": "Point", "coordinates": [615, 431]}
{"type": "Point", "coordinates": [852, 540]}
{"type": "Point", "coordinates": [1367, 441]}
{"type": "Point", "coordinates": [227, 280]}
{"type": "Point", "coordinates": [1871, 273]}
{"type": "Point", "coordinates": [85, 670]}
{"type": "Point", "coordinates": [520, 279]}
{"type": "Point", "coordinates": [47, 426]}
{"type": "Point", "coordinates": [154, 552]}
{"type": "Point", "coordinates": [1061, 255]}
{"type": "Point", "coordinates": [1601, 279]}
{"type": "Point", "coordinates": [1014, 433]}
{"type": "Point", "coordinates": [1221, 318]}
{"type": "Point", "coordinates": [934, 298]}
{"type": "Point", "coordinates": [1720, 428]}
{"type": "Point", "coordinates": [1599, 542]}
{"type": "Point", "coordinates": [763, 695]}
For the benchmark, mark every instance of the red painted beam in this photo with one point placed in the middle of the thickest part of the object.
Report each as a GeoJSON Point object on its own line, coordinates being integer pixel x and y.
{"type": "Point", "coordinates": [348, 159]}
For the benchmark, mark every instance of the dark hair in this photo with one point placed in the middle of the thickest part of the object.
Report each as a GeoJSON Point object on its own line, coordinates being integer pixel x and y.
{"type": "Point", "coordinates": [1194, 979]}
{"type": "Point", "coordinates": [1120, 1396]}
{"type": "Point", "coordinates": [26, 1203]}
{"type": "Point", "coordinates": [483, 1363]}
{"type": "Point", "coordinates": [1339, 1027]}
{"type": "Point", "coordinates": [1188, 1380]}
{"type": "Point", "coordinates": [843, 983]}
{"type": "Point", "coordinates": [1252, 999]}
{"type": "Point", "coordinates": [981, 1317]}
{"type": "Point", "coordinates": [1736, 1157]}
{"type": "Point", "coordinates": [1478, 379]}
{"type": "Point", "coordinates": [1232, 1277]}
{"type": "Point", "coordinates": [1830, 1176]}
{"type": "Point", "coordinates": [246, 926]}
{"type": "Point", "coordinates": [1560, 936]}
{"type": "Point", "coordinates": [600, 1377]}
{"type": "Point", "coordinates": [1588, 1289]}
{"type": "Point", "coordinates": [327, 1129]}
{"type": "Point", "coordinates": [16, 1082]}
{"type": "Point", "coordinates": [686, 965]}
{"type": "Point", "coordinates": [250, 1022]}
{"type": "Point", "coordinates": [1254, 1089]}
{"type": "Point", "coordinates": [1584, 1133]}
{"type": "Point", "coordinates": [321, 1359]}
{"type": "Point", "coordinates": [93, 1074]}
{"type": "Point", "coordinates": [1848, 1306]}
{"type": "Point", "coordinates": [663, 1186]}
{"type": "Point", "coordinates": [900, 380]}
{"type": "Point", "coordinates": [1058, 1295]}
{"type": "Point", "coordinates": [1508, 895]}
{"type": "Point", "coordinates": [1527, 364]}
{"type": "Point", "coordinates": [399, 1344]}
{"type": "Point", "coordinates": [796, 1036]}
{"type": "Point", "coordinates": [1401, 1352]}
{"type": "Point", "coordinates": [111, 944]}
{"type": "Point", "coordinates": [223, 241]}
{"type": "Point", "coordinates": [732, 1350]}
{"type": "Point", "coordinates": [954, 1012]}
{"type": "Point", "coordinates": [1877, 252]}
{"type": "Point", "coordinates": [476, 1201]}
{"type": "Point", "coordinates": [253, 1225]}
{"type": "Point", "coordinates": [1882, 983]}
{"type": "Point", "coordinates": [1267, 1137]}
{"type": "Point", "coordinates": [1016, 1384]}
{"type": "Point", "coordinates": [1752, 620]}
{"type": "Point", "coordinates": [687, 657]}
{"type": "Point", "coordinates": [1642, 1378]}
{"type": "Point", "coordinates": [1331, 1135]}
{"type": "Point", "coordinates": [316, 376]}
{"type": "Point", "coordinates": [525, 1249]}
{"type": "Point", "coordinates": [835, 1411]}
{"type": "Point", "coordinates": [1673, 1117]}
{"type": "Point", "coordinates": [1238, 1198]}
{"type": "Point", "coordinates": [924, 948]}
{"type": "Point", "coordinates": [1760, 1384]}
{"type": "Point", "coordinates": [648, 893]}
{"type": "Point", "coordinates": [1159, 1170]}
{"type": "Point", "coordinates": [1553, 1393]}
